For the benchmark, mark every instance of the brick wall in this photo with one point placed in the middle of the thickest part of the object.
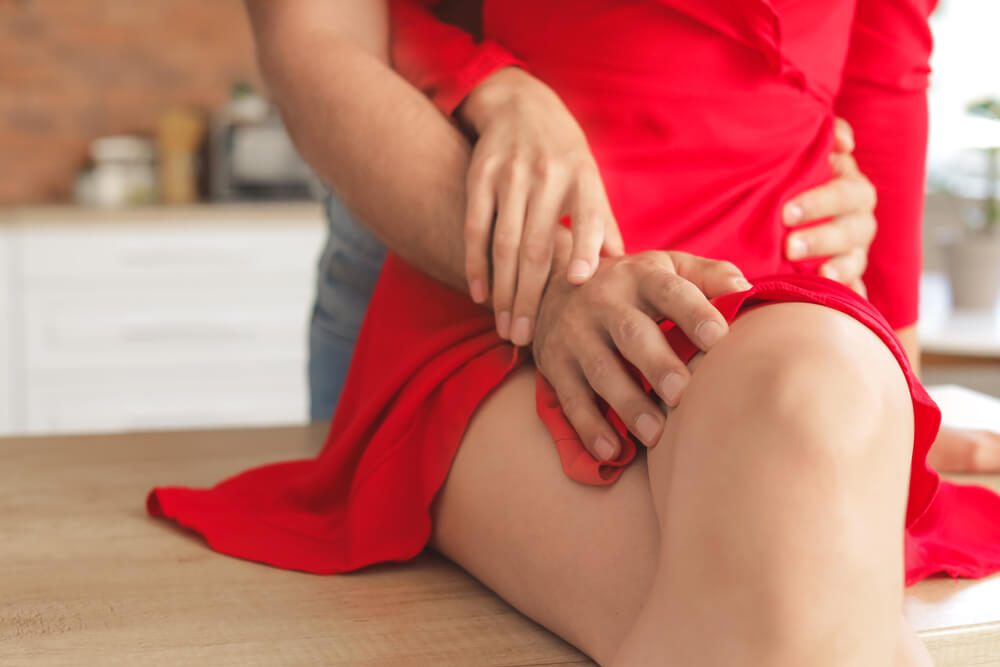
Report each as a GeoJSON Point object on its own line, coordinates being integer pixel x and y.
{"type": "Point", "coordinates": [73, 70]}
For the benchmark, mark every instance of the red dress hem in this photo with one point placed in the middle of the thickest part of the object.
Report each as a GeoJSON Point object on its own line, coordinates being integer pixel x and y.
{"type": "Point", "coordinates": [362, 502]}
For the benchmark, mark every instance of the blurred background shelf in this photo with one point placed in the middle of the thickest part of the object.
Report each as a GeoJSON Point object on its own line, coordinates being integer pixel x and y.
{"type": "Point", "coordinates": [958, 347]}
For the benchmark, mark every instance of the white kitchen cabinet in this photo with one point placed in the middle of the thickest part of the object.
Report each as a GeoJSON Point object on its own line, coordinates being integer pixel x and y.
{"type": "Point", "coordinates": [8, 322]}
{"type": "Point", "coordinates": [162, 318]}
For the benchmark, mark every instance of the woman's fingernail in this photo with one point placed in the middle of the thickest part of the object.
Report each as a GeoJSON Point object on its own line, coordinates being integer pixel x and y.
{"type": "Point", "coordinates": [709, 333]}
{"type": "Point", "coordinates": [605, 448]}
{"type": "Point", "coordinates": [579, 269]}
{"type": "Point", "coordinates": [647, 427]}
{"type": "Point", "coordinates": [742, 284]}
{"type": "Point", "coordinates": [503, 324]}
{"type": "Point", "coordinates": [671, 387]}
{"type": "Point", "coordinates": [793, 213]}
{"type": "Point", "coordinates": [521, 333]}
{"type": "Point", "coordinates": [797, 248]}
{"type": "Point", "coordinates": [477, 290]}
{"type": "Point", "coordinates": [831, 273]}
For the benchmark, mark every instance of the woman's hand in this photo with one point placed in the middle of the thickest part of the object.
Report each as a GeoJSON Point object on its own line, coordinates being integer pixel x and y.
{"type": "Point", "coordinates": [583, 329]}
{"type": "Point", "coordinates": [965, 451]}
{"type": "Point", "coordinates": [531, 166]}
{"type": "Point", "coordinates": [849, 200]}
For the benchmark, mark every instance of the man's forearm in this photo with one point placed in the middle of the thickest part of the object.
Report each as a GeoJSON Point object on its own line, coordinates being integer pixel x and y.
{"type": "Point", "coordinates": [390, 155]}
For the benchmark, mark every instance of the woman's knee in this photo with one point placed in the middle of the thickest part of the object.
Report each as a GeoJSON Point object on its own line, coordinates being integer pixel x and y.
{"type": "Point", "coordinates": [815, 375]}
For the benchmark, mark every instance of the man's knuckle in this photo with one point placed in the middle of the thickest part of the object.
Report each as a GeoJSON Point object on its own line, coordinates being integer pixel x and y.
{"type": "Point", "coordinates": [526, 301]}
{"type": "Point", "coordinates": [629, 328]}
{"type": "Point", "coordinates": [670, 286]}
{"type": "Point", "coordinates": [576, 406]}
{"type": "Point", "coordinates": [541, 169]}
{"type": "Point", "coordinates": [504, 246]}
{"type": "Point", "coordinates": [536, 252]}
{"type": "Point", "coordinates": [670, 260]}
{"type": "Point", "coordinates": [473, 232]}
{"type": "Point", "coordinates": [591, 222]}
{"type": "Point", "coordinates": [514, 170]}
{"type": "Point", "coordinates": [546, 169]}
{"type": "Point", "coordinates": [600, 292]}
{"type": "Point", "coordinates": [483, 168]}
{"type": "Point", "coordinates": [598, 370]}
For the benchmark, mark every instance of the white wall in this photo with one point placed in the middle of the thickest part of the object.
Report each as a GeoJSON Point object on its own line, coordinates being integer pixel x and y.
{"type": "Point", "coordinates": [964, 69]}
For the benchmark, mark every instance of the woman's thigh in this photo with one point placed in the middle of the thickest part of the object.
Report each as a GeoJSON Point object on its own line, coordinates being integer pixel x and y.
{"type": "Point", "coordinates": [578, 559]}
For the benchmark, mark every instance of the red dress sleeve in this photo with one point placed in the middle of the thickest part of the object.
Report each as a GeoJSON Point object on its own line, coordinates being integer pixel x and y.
{"type": "Point", "coordinates": [884, 97]}
{"type": "Point", "coordinates": [442, 60]}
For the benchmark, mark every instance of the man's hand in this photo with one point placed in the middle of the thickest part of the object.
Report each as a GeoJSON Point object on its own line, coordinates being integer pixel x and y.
{"type": "Point", "coordinates": [531, 166]}
{"type": "Point", "coordinates": [583, 329]}
{"type": "Point", "coordinates": [965, 451]}
{"type": "Point", "coordinates": [849, 200]}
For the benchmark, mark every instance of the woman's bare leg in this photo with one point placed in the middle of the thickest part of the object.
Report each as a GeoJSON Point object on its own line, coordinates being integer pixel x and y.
{"type": "Point", "coordinates": [578, 559]}
{"type": "Point", "coordinates": [910, 650]}
{"type": "Point", "coordinates": [582, 560]}
{"type": "Point", "coordinates": [780, 495]}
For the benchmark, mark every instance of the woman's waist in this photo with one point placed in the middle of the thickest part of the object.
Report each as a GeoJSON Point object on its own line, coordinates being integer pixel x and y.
{"type": "Point", "coordinates": [705, 200]}
{"type": "Point", "coordinates": [746, 231]}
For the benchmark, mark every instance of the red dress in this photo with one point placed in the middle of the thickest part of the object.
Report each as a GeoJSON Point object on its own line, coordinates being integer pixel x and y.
{"type": "Point", "coordinates": [704, 119]}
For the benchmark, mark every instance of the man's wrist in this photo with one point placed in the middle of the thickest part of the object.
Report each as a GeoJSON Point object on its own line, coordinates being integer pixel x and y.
{"type": "Point", "coordinates": [499, 89]}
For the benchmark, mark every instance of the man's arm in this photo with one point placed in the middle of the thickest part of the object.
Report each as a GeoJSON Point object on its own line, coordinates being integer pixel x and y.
{"type": "Point", "coordinates": [392, 157]}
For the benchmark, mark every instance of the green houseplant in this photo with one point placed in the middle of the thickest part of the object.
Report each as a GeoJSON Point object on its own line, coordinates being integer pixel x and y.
{"type": "Point", "coordinates": [974, 256]}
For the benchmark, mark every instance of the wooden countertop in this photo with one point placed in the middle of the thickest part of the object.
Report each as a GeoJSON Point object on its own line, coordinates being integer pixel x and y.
{"type": "Point", "coordinates": [86, 578]}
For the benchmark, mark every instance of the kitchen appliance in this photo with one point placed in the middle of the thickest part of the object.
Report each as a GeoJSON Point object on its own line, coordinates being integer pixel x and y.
{"type": "Point", "coordinates": [123, 173]}
{"type": "Point", "coordinates": [251, 155]}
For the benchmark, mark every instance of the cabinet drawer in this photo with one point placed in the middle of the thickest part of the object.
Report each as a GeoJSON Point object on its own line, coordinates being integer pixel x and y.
{"type": "Point", "coordinates": [152, 398]}
{"type": "Point", "coordinates": [152, 251]}
{"type": "Point", "coordinates": [101, 330]}
{"type": "Point", "coordinates": [6, 415]}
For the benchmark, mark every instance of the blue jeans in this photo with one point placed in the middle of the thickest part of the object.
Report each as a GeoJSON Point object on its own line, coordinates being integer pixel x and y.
{"type": "Point", "coordinates": [348, 269]}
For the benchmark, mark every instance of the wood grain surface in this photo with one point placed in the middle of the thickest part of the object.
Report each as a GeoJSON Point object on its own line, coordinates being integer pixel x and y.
{"type": "Point", "coordinates": [86, 578]}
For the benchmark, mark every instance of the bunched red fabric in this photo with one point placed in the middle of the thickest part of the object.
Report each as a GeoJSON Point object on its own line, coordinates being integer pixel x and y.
{"type": "Point", "coordinates": [704, 119]}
